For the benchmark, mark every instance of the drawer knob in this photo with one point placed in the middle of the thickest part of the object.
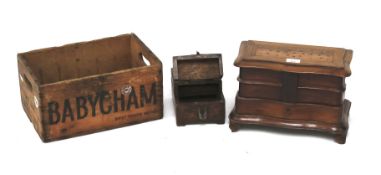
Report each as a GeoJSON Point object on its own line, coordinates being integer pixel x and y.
{"type": "Point", "coordinates": [202, 113]}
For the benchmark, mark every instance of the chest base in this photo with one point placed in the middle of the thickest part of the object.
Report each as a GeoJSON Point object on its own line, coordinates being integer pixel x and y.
{"type": "Point", "coordinates": [337, 129]}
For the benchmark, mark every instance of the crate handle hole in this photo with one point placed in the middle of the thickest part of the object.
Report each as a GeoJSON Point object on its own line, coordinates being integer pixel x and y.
{"type": "Point", "coordinates": [145, 60]}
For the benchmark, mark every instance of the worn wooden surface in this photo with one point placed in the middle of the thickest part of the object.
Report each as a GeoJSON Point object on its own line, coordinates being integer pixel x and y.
{"type": "Point", "coordinates": [200, 111]}
{"type": "Point", "coordinates": [197, 67]}
{"type": "Point", "coordinates": [297, 111]}
{"type": "Point", "coordinates": [338, 130]}
{"type": "Point", "coordinates": [294, 58]}
{"type": "Point", "coordinates": [197, 89]}
{"type": "Point", "coordinates": [304, 93]}
{"type": "Point", "coordinates": [91, 86]}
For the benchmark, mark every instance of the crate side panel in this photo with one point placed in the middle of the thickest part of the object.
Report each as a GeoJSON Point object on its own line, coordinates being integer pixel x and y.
{"type": "Point", "coordinates": [80, 59]}
{"type": "Point", "coordinates": [103, 102]}
{"type": "Point", "coordinates": [30, 98]}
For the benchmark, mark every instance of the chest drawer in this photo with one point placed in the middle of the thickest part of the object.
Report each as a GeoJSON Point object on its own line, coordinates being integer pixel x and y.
{"type": "Point", "coordinates": [291, 87]}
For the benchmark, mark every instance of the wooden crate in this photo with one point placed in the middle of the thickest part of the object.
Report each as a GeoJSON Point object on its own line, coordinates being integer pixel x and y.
{"type": "Point", "coordinates": [90, 86]}
{"type": "Point", "coordinates": [197, 89]}
{"type": "Point", "coordinates": [292, 86]}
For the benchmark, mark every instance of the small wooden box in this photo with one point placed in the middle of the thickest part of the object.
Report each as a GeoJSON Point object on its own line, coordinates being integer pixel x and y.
{"type": "Point", "coordinates": [197, 89]}
{"type": "Point", "coordinates": [292, 86]}
{"type": "Point", "coordinates": [91, 86]}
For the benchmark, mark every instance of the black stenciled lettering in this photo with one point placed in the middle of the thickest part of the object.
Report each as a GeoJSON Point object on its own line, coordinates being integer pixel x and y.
{"type": "Point", "coordinates": [116, 99]}
{"type": "Point", "coordinates": [54, 115]}
{"type": "Point", "coordinates": [81, 104]}
{"type": "Point", "coordinates": [144, 99]}
{"type": "Point", "coordinates": [93, 103]}
{"type": "Point", "coordinates": [104, 95]}
{"type": "Point", "coordinates": [67, 111]}
{"type": "Point", "coordinates": [80, 109]}
{"type": "Point", "coordinates": [132, 99]}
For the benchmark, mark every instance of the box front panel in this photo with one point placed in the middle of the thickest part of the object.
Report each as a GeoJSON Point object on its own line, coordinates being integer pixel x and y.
{"type": "Point", "coordinates": [102, 102]}
{"type": "Point", "coordinates": [208, 111]}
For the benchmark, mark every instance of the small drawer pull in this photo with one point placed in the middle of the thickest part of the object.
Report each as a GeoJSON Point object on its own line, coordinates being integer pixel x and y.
{"type": "Point", "coordinates": [202, 113]}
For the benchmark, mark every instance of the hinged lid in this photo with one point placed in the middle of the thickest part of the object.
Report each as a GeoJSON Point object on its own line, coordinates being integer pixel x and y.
{"type": "Point", "coordinates": [197, 67]}
{"type": "Point", "coordinates": [294, 58]}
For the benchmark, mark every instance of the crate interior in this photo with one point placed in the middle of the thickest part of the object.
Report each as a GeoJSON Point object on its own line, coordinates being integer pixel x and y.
{"type": "Point", "coordinates": [85, 59]}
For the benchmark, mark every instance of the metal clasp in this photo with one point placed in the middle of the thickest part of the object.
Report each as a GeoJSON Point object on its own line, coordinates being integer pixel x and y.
{"type": "Point", "coordinates": [202, 113]}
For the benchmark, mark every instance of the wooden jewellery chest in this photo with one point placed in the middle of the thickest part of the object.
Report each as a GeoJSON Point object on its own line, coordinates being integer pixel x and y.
{"type": "Point", "coordinates": [91, 86]}
{"type": "Point", "coordinates": [197, 89]}
{"type": "Point", "coordinates": [292, 86]}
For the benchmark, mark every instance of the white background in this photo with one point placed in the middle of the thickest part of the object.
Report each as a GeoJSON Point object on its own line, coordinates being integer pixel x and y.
{"type": "Point", "coordinates": [176, 28]}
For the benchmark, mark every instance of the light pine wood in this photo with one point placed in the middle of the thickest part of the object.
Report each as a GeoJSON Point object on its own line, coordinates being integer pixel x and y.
{"type": "Point", "coordinates": [90, 86]}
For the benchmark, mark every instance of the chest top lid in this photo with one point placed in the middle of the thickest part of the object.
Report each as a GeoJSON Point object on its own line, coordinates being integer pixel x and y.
{"type": "Point", "coordinates": [294, 58]}
{"type": "Point", "coordinates": [197, 67]}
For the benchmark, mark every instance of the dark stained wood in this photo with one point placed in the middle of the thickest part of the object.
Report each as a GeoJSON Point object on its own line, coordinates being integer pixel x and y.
{"type": "Point", "coordinates": [289, 87]}
{"type": "Point", "coordinates": [197, 89]}
{"type": "Point", "coordinates": [338, 130]}
{"type": "Point", "coordinates": [292, 86]}
{"type": "Point", "coordinates": [297, 111]}
{"type": "Point", "coordinates": [200, 111]}
{"type": "Point", "coordinates": [91, 86]}
{"type": "Point", "coordinates": [264, 91]}
{"type": "Point", "coordinates": [318, 96]}
{"type": "Point", "coordinates": [321, 81]}
{"type": "Point", "coordinates": [260, 75]}
{"type": "Point", "coordinates": [312, 59]}
{"type": "Point", "coordinates": [197, 67]}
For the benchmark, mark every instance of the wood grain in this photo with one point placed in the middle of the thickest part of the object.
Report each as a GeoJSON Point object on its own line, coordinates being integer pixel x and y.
{"type": "Point", "coordinates": [197, 89]}
{"type": "Point", "coordinates": [292, 86]}
{"type": "Point", "coordinates": [91, 86]}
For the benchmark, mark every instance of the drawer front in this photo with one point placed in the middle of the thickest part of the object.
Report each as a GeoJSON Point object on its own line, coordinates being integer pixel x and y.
{"type": "Point", "coordinates": [310, 112]}
{"type": "Point", "coordinates": [260, 75]}
{"type": "Point", "coordinates": [200, 112]}
{"type": "Point", "coordinates": [316, 96]}
{"type": "Point", "coordinates": [260, 91]}
{"type": "Point", "coordinates": [291, 87]}
{"type": "Point", "coordinates": [321, 81]}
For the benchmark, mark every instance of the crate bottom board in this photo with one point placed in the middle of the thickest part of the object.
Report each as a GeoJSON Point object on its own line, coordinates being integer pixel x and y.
{"type": "Point", "coordinates": [338, 130]}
